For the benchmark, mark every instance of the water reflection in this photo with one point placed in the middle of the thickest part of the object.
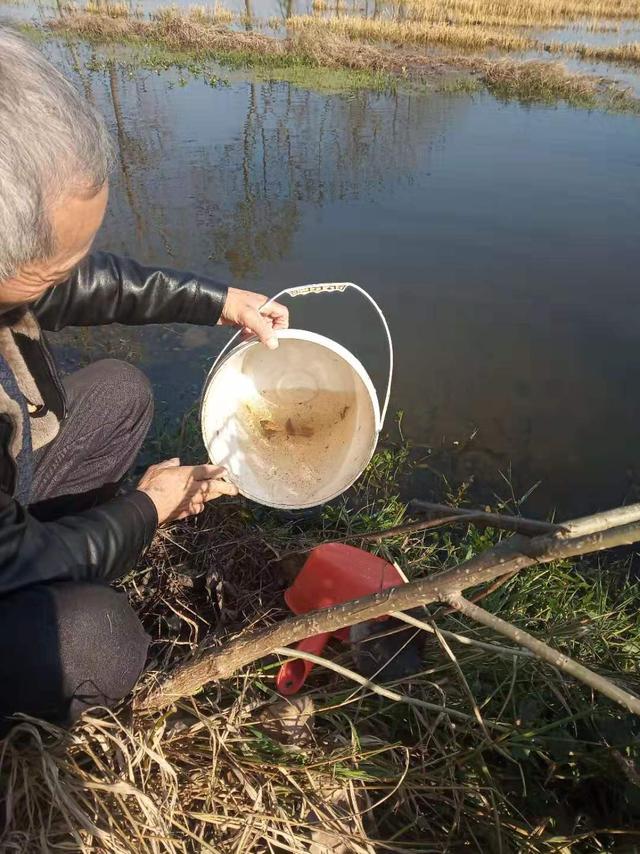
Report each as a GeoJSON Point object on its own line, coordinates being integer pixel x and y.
{"type": "Point", "coordinates": [224, 176]}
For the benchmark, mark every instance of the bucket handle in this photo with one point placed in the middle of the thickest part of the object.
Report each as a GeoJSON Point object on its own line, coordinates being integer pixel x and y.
{"type": "Point", "coordinates": [333, 287]}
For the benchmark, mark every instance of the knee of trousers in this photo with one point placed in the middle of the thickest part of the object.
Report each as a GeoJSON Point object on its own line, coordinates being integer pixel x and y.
{"type": "Point", "coordinates": [103, 646]}
{"type": "Point", "coordinates": [66, 647]}
{"type": "Point", "coordinates": [126, 384]}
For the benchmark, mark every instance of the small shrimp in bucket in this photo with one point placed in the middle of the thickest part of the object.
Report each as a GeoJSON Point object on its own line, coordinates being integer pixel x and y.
{"type": "Point", "coordinates": [296, 426]}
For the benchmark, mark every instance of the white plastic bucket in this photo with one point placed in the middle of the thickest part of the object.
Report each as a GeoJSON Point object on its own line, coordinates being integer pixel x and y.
{"type": "Point", "coordinates": [294, 427]}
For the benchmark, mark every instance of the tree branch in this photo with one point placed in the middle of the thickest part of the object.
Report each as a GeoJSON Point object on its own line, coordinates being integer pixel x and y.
{"type": "Point", "coordinates": [530, 527]}
{"type": "Point", "coordinates": [546, 653]}
{"type": "Point", "coordinates": [603, 521]}
{"type": "Point", "coordinates": [512, 555]}
{"type": "Point", "coordinates": [444, 515]}
{"type": "Point", "coordinates": [492, 648]}
{"type": "Point", "coordinates": [375, 536]}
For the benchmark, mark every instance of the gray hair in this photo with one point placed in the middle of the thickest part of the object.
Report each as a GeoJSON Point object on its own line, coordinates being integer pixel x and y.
{"type": "Point", "coordinates": [53, 143]}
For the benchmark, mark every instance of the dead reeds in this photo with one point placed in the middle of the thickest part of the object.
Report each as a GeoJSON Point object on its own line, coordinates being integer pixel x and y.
{"type": "Point", "coordinates": [414, 32]}
{"type": "Point", "coordinates": [308, 46]}
{"type": "Point", "coordinates": [544, 82]}
{"type": "Point", "coordinates": [620, 54]}
{"type": "Point", "coordinates": [471, 39]}
{"type": "Point", "coordinates": [516, 13]}
{"type": "Point", "coordinates": [110, 9]}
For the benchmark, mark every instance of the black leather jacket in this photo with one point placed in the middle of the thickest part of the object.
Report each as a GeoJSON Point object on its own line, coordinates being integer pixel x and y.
{"type": "Point", "coordinates": [105, 542]}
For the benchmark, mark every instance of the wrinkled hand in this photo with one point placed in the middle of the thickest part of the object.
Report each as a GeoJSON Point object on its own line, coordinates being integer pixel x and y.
{"type": "Point", "coordinates": [241, 308]}
{"type": "Point", "coordinates": [180, 491]}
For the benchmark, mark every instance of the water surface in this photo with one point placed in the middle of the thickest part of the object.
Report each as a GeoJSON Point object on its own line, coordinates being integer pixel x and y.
{"type": "Point", "coordinates": [500, 240]}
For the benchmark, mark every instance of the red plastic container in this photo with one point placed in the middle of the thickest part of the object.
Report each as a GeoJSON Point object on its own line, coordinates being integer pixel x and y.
{"type": "Point", "coordinates": [332, 574]}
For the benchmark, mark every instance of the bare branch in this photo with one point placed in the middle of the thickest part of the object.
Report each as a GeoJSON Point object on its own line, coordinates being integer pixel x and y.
{"type": "Point", "coordinates": [530, 527]}
{"type": "Point", "coordinates": [603, 521]}
{"type": "Point", "coordinates": [445, 515]}
{"type": "Point", "coordinates": [465, 640]}
{"type": "Point", "coordinates": [546, 653]}
{"type": "Point", "coordinates": [375, 536]}
{"type": "Point", "coordinates": [399, 530]}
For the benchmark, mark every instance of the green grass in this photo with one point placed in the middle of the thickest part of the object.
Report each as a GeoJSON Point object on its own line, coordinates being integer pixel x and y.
{"type": "Point", "coordinates": [155, 58]}
{"type": "Point", "coordinates": [323, 80]}
{"type": "Point", "coordinates": [302, 72]}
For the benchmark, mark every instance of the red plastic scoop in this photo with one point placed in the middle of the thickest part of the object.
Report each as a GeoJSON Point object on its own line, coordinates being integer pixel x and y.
{"type": "Point", "coordinates": [332, 574]}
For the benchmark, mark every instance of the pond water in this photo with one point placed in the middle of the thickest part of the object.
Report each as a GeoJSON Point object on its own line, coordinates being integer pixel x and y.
{"type": "Point", "coordinates": [501, 242]}
{"type": "Point", "coordinates": [616, 33]}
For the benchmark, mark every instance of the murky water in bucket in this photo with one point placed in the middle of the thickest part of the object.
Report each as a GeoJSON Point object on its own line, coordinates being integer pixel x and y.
{"type": "Point", "coordinates": [294, 427]}
{"type": "Point", "coordinates": [299, 436]}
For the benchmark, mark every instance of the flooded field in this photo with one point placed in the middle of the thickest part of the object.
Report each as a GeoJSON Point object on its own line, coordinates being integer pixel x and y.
{"type": "Point", "coordinates": [501, 240]}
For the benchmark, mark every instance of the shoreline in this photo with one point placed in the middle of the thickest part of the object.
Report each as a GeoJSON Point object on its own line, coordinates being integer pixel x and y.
{"type": "Point", "coordinates": [315, 58]}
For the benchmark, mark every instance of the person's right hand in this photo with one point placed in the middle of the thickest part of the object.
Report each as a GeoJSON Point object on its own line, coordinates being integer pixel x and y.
{"type": "Point", "coordinates": [180, 491]}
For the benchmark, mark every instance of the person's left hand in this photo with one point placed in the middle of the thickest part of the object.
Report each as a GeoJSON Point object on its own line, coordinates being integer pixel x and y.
{"type": "Point", "coordinates": [242, 309]}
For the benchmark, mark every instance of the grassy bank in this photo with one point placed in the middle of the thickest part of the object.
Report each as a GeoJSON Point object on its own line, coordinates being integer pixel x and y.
{"type": "Point", "coordinates": [556, 771]}
{"type": "Point", "coordinates": [189, 40]}
{"type": "Point", "coordinates": [333, 55]}
{"type": "Point", "coordinates": [468, 27]}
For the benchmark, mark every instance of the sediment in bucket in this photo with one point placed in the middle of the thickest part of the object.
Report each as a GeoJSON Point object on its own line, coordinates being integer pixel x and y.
{"type": "Point", "coordinates": [301, 438]}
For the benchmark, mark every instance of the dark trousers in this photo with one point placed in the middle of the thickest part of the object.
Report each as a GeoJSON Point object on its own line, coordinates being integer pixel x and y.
{"type": "Point", "coordinates": [65, 646]}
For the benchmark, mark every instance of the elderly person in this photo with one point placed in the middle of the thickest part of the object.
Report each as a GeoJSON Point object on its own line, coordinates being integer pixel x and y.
{"type": "Point", "coordinates": [67, 639]}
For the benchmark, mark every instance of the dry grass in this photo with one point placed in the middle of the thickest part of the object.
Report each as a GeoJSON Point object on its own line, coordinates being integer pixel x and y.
{"type": "Point", "coordinates": [179, 31]}
{"type": "Point", "coordinates": [197, 781]}
{"type": "Point", "coordinates": [473, 39]}
{"type": "Point", "coordinates": [205, 778]}
{"type": "Point", "coordinates": [198, 13]}
{"type": "Point", "coordinates": [168, 26]}
{"type": "Point", "coordinates": [414, 32]}
{"type": "Point", "coordinates": [513, 13]}
{"type": "Point", "coordinates": [623, 54]}
{"type": "Point", "coordinates": [312, 46]}
{"type": "Point", "coordinates": [470, 26]}
{"type": "Point", "coordinates": [215, 14]}
{"type": "Point", "coordinates": [110, 9]}
{"type": "Point", "coordinates": [540, 81]}
{"type": "Point", "coordinates": [199, 28]}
